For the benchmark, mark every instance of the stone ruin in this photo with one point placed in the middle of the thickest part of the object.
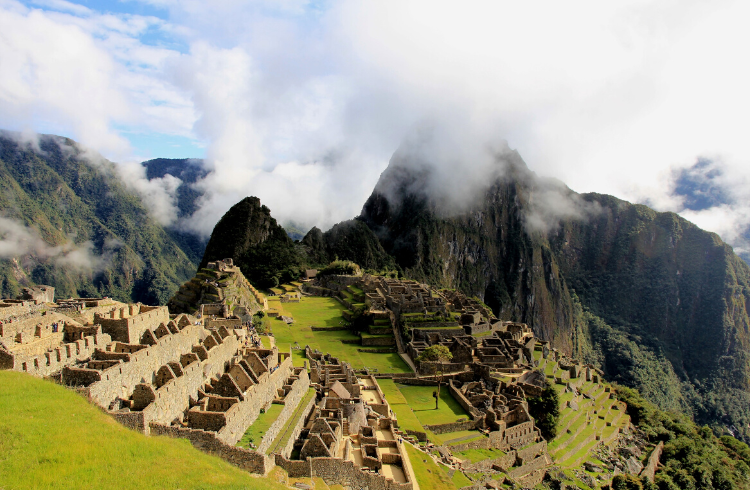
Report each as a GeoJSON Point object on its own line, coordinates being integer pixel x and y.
{"type": "Point", "coordinates": [350, 436]}
{"type": "Point", "coordinates": [220, 283]}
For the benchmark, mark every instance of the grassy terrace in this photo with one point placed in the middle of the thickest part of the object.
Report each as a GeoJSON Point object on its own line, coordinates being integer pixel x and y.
{"type": "Point", "coordinates": [50, 437]}
{"type": "Point", "coordinates": [414, 407]}
{"type": "Point", "coordinates": [255, 432]}
{"type": "Point", "coordinates": [283, 437]}
{"type": "Point", "coordinates": [427, 472]}
{"type": "Point", "coordinates": [476, 455]}
{"type": "Point", "coordinates": [326, 312]}
{"type": "Point", "coordinates": [578, 429]}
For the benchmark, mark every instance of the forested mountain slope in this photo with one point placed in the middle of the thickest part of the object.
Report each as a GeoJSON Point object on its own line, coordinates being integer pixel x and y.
{"type": "Point", "coordinates": [659, 303]}
{"type": "Point", "coordinates": [69, 221]}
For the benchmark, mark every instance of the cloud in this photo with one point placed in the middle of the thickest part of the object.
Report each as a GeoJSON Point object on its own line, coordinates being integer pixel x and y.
{"type": "Point", "coordinates": [551, 201]}
{"type": "Point", "coordinates": [20, 241]}
{"type": "Point", "coordinates": [303, 103]}
{"type": "Point", "coordinates": [714, 193]}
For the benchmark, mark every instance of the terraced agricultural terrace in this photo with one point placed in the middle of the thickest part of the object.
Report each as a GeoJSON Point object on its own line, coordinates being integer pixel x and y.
{"type": "Point", "coordinates": [337, 394]}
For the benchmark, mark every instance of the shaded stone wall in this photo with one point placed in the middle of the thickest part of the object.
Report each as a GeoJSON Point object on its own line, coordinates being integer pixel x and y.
{"type": "Point", "coordinates": [335, 471]}
{"type": "Point", "coordinates": [453, 427]}
{"type": "Point", "coordinates": [295, 468]}
{"type": "Point", "coordinates": [208, 442]}
{"type": "Point", "coordinates": [120, 380]}
{"type": "Point", "coordinates": [291, 401]}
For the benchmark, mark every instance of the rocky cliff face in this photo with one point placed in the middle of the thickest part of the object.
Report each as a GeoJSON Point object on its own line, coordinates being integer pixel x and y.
{"type": "Point", "coordinates": [259, 246]}
{"type": "Point", "coordinates": [483, 249]}
{"type": "Point", "coordinates": [677, 291]}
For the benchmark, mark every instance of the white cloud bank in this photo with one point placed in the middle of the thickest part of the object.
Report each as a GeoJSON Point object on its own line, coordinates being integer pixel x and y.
{"type": "Point", "coordinates": [18, 241]}
{"type": "Point", "coordinates": [303, 106]}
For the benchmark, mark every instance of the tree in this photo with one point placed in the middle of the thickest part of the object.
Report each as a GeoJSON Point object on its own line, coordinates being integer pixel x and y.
{"type": "Point", "coordinates": [546, 410]}
{"type": "Point", "coordinates": [437, 354]}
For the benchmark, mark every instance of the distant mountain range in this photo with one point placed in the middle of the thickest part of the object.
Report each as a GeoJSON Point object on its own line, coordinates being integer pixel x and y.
{"type": "Point", "coordinates": [69, 221]}
{"type": "Point", "coordinates": [656, 302]}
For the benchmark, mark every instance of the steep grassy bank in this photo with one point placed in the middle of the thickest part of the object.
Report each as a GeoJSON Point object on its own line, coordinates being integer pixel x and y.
{"type": "Point", "coordinates": [50, 437]}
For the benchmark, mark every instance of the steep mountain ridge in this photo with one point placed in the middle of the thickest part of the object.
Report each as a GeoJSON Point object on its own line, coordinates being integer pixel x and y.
{"type": "Point", "coordinates": [598, 278]}
{"type": "Point", "coordinates": [258, 245]}
{"type": "Point", "coordinates": [72, 223]}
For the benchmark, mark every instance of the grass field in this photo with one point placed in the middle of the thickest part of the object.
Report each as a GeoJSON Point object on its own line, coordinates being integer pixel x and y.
{"type": "Point", "coordinates": [255, 432]}
{"type": "Point", "coordinates": [427, 472]}
{"type": "Point", "coordinates": [51, 437]}
{"type": "Point", "coordinates": [423, 404]}
{"type": "Point", "coordinates": [414, 407]}
{"type": "Point", "coordinates": [476, 455]}
{"type": "Point", "coordinates": [326, 312]}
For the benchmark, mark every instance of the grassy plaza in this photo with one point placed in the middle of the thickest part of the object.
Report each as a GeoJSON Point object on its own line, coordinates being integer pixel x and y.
{"type": "Point", "coordinates": [313, 311]}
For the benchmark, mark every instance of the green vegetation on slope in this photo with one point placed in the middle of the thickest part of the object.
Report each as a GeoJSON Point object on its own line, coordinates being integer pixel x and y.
{"type": "Point", "coordinates": [693, 457]}
{"type": "Point", "coordinates": [319, 312]}
{"type": "Point", "coordinates": [258, 245]}
{"type": "Point", "coordinates": [427, 472]}
{"type": "Point", "coordinates": [53, 438]}
{"type": "Point", "coordinates": [107, 244]}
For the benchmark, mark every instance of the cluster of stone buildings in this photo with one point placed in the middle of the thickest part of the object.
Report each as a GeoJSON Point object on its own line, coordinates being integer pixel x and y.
{"type": "Point", "coordinates": [196, 370]}
{"type": "Point", "coordinates": [222, 284]}
{"type": "Point", "coordinates": [351, 435]}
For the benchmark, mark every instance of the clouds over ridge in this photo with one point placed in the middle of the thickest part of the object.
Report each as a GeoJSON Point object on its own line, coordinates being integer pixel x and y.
{"type": "Point", "coordinates": [303, 104]}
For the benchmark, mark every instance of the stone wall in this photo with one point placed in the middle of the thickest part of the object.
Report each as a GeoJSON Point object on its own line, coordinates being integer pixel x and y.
{"type": "Point", "coordinates": [336, 471]}
{"type": "Point", "coordinates": [295, 468]}
{"type": "Point", "coordinates": [120, 379]}
{"type": "Point", "coordinates": [653, 461]}
{"type": "Point", "coordinates": [173, 398]}
{"type": "Point", "coordinates": [292, 399]}
{"type": "Point", "coordinates": [208, 442]}
{"type": "Point", "coordinates": [258, 396]}
{"type": "Point", "coordinates": [128, 323]}
{"type": "Point", "coordinates": [463, 401]}
{"type": "Point", "coordinates": [532, 451]}
{"type": "Point", "coordinates": [454, 427]}
{"type": "Point", "coordinates": [378, 341]}
{"type": "Point", "coordinates": [535, 464]}
{"type": "Point", "coordinates": [484, 443]}
{"type": "Point", "coordinates": [53, 361]}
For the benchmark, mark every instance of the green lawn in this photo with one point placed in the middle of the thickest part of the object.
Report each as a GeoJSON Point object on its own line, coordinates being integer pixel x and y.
{"type": "Point", "coordinates": [460, 480]}
{"type": "Point", "coordinates": [326, 312]}
{"type": "Point", "coordinates": [476, 455]}
{"type": "Point", "coordinates": [50, 437]}
{"type": "Point", "coordinates": [423, 404]}
{"type": "Point", "coordinates": [427, 472]}
{"type": "Point", "coordinates": [255, 432]}
{"type": "Point", "coordinates": [414, 407]}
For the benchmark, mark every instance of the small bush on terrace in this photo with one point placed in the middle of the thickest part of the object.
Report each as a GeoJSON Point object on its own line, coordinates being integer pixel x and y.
{"type": "Point", "coordinates": [341, 267]}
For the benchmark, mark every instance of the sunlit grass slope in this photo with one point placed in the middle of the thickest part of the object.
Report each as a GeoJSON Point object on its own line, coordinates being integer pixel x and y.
{"type": "Point", "coordinates": [50, 437]}
{"type": "Point", "coordinates": [326, 312]}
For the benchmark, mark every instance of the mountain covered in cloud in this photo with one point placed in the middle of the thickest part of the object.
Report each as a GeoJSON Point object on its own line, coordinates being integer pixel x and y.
{"type": "Point", "coordinates": [70, 220]}
{"type": "Point", "coordinates": [655, 301]}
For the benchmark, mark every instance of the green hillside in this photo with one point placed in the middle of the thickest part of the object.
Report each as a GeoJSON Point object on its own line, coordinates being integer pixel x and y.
{"type": "Point", "coordinates": [53, 438]}
{"type": "Point", "coordinates": [85, 232]}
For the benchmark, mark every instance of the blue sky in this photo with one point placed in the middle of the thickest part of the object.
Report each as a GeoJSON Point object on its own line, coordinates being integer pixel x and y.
{"type": "Point", "coordinates": [285, 98]}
